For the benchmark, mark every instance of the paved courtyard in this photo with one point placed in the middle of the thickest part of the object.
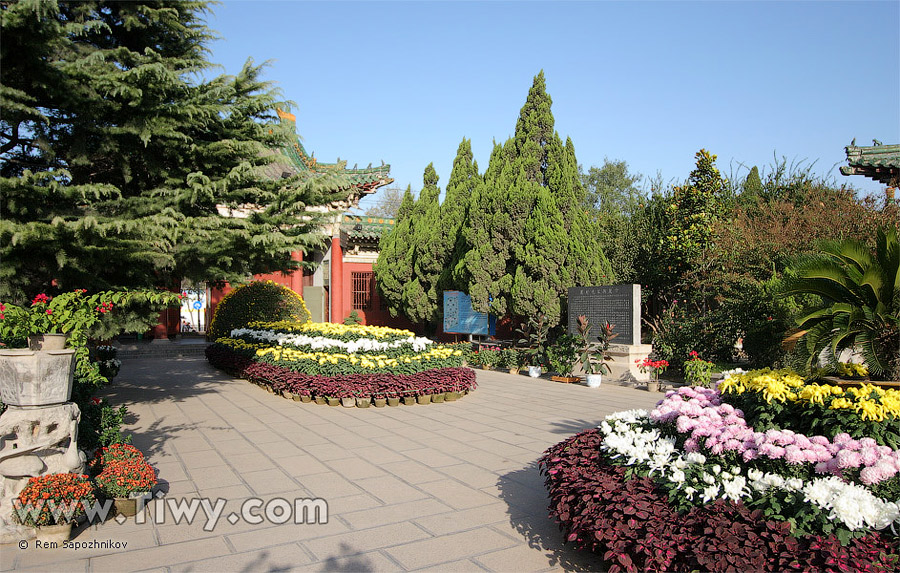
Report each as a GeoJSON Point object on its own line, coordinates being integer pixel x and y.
{"type": "Point", "coordinates": [450, 487]}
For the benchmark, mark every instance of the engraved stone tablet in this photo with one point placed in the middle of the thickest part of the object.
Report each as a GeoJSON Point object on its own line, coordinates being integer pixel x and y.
{"type": "Point", "coordinates": [618, 304]}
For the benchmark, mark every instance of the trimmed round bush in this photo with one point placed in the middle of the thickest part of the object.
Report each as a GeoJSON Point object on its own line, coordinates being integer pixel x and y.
{"type": "Point", "coordinates": [256, 301]}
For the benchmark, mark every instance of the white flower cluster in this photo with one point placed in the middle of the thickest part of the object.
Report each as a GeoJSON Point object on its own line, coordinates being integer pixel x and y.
{"type": "Point", "coordinates": [630, 435]}
{"type": "Point", "coordinates": [418, 344]}
{"type": "Point", "coordinates": [855, 506]}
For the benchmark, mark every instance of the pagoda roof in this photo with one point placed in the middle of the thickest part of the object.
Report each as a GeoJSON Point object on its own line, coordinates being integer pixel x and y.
{"type": "Point", "coordinates": [878, 162]}
{"type": "Point", "coordinates": [296, 161]}
{"type": "Point", "coordinates": [364, 228]}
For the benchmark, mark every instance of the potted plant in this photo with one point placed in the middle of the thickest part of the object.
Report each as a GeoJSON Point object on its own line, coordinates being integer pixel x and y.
{"type": "Point", "coordinates": [593, 356]}
{"type": "Point", "coordinates": [655, 367]}
{"type": "Point", "coordinates": [533, 338]}
{"type": "Point", "coordinates": [489, 357]}
{"type": "Point", "coordinates": [509, 359]}
{"type": "Point", "coordinates": [563, 357]}
{"type": "Point", "coordinates": [698, 372]}
{"type": "Point", "coordinates": [125, 481]}
{"type": "Point", "coordinates": [51, 503]}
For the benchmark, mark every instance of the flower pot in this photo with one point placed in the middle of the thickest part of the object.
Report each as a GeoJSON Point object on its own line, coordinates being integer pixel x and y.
{"type": "Point", "coordinates": [304, 399]}
{"type": "Point", "coordinates": [333, 401]}
{"type": "Point", "coordinates": [320, 400]}
{"type": "Point", "coordinates": [409, 400]}
{"type": "Point", "coordinates": [128, 506]}
{"type": "Point", "coordinates": [363, 402]}
{"type": "Point", "coordinates": [58, 533]}
{"type": "Point", "coordinates": [380, 402]}
{"type": "Point", "coordinates": [451, 396]}
{"type": "Point", "coordinates": [594, 380]}
{"type": "Point", "coordinates": [348, 402]}
{"type": "Point", "coordinates": [393, 401]}
{"type": "Point", "coordinates": [287, 394]}
{"type": "Point", "coordinates": [534, 371]}
{"type": "Point", "coordinates": [566, 379]}
{"type": "Point", "coordinates": [47, 341]}
{"type": "Point", "coordinates": [513, 370]}
{"type": "Point", "coordinates": [423, 399]}
{"type": "Point", "coordinates": [438, 398]}
{"type": "Point", "coordinates": [269, 389]}
{"type": "Point", "coordinates": [36, 378]}
{"type": "Point", "coordinates": [653, 386]}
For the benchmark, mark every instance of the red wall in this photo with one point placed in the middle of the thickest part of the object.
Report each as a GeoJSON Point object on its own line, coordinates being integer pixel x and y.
{"type": "Point", "coordinates": [373, 316]}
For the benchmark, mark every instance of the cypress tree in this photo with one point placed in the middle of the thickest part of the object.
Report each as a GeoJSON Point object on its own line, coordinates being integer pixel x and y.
{"type": "Point", "coordinates": [464, 178]}
{"type": "Point", "coordinates": [752, 186]}
{"type": "Point", "coordinates": [119, 165]}
{"type": "Point", "coordinates": [533, 194]}
{"type": "Point", "coordinates": [393, 269]}
{"type": "Point", "coordinates": [426, 255]}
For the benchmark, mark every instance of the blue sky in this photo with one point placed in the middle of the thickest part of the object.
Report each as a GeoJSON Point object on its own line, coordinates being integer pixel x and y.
{"type": "Point", "coordinates": [645, 82]}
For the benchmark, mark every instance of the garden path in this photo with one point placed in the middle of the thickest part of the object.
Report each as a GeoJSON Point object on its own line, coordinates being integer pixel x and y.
{"type": "Point", "coordinates": [453, 486]}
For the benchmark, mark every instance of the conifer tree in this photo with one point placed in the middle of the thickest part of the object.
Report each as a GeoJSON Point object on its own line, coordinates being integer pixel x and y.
{"type": "Point", "coordinates": [752, 186]}
{"type": "Point", "coordinates": [464, 178]}
{"type": "Point", "coordinates": [393, 269]}
{"type": "Point", "coordinates": [119, 166]}
{"type": "Point", "coordinates": [426, 255]}
{"type": "Point", "coordinates": [531, 184]}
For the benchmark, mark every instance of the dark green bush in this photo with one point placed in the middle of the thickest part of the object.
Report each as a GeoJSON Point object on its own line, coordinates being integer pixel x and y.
{"type": "Point", "coordinates": [256, 301]}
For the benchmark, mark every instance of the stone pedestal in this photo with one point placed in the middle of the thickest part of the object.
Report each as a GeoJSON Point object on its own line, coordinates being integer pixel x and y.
{"type": "Point", "coordinates": [624, 363]}
{"type": "Point", "coordinates": [34, 441]}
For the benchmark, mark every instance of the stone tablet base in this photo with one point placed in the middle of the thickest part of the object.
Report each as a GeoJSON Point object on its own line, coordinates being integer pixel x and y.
{"type": "Point", "coordinates": [624, 368]}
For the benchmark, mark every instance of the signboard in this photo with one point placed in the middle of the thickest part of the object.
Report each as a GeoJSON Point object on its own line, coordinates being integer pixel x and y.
{"type": "Point", "coordinates": [460, 318]}
{"type": "Point", "coordinates": [197, 305]}
{"type": "Point", "coordinates": [618, 304]}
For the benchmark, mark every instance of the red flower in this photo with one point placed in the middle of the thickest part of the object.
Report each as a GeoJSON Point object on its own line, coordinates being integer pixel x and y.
{"type": "Point", "coordinates": [39, 299]}
{"type": "Point", "coordinates": [49, 311]}
{"type": "Point", "coordinates": [96, 400]}
{"type": "Point", "coordinates": [694, 354]}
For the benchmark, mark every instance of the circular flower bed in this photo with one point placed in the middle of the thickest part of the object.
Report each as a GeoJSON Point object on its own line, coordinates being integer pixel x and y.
{"type": "Point", "coordinates": [332, 361]}
{"type": "Point", "coordinates": [692, 485]}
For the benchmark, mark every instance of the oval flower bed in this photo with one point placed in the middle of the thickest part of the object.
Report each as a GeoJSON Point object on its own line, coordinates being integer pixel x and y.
{"type": "Point", "coordinates": [326, 362]}
{"type": "Point", "coordinates": [692, 485]}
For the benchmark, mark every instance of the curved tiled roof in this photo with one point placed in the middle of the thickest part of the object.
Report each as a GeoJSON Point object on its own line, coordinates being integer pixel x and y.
{"type": "Point", "coordinates": [878, 162]}
{"type": "Point", "coordinates": [298, 162]}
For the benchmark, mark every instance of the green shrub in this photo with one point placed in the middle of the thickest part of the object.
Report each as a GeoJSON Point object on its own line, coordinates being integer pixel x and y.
{"type": "Point", "coordinates": [256, 301]}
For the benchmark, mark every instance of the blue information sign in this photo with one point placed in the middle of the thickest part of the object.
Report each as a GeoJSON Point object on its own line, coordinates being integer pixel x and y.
{"type": "Point", "coordinates": [460, 318]}
{"type": "Point", "coordinates": [198, 305]}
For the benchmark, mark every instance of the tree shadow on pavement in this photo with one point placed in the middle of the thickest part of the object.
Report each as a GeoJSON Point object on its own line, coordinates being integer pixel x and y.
{"type": "Point", "coordinates": [523, 491]}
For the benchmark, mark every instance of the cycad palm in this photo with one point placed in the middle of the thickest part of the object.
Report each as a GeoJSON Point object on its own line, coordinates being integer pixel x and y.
{"type": "Point", "coordinates": [860, 293]}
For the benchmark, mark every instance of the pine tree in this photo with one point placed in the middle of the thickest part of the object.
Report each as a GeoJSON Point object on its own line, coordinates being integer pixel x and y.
{"type": "Point", "coordinates": [393, 269]}
{"type": "Point", "coordinates": [118, 164]}
{"type": "Point", "coordinates": [426, 255]}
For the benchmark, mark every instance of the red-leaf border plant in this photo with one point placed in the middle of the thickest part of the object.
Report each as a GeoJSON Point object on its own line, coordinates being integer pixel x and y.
{"type": "Point", "coordinates": [630, 523]}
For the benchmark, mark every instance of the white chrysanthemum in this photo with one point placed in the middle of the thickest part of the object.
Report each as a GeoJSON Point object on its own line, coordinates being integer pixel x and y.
{"type": "Point", "coordinates": [736, 488]}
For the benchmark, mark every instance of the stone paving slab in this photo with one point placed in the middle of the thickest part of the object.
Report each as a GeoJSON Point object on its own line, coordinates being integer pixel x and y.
{"type": "Point", "coordinates": [442, 487]}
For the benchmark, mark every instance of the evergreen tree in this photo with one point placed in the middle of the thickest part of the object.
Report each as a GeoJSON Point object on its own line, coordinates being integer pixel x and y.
{"type": "Point", "coordinates": [506, 272]}
{"type": "Point", "coordinates": [464, 178]}
{"type": "Point", "coordinates": [426, 255]}
{"type": "Point", "coordinates": [120, 168]}
{"type": "Point", "coordinates": [692, 211]}
{"type": "Point", "coordinates": [753, 187]}
{"type": "Point", "coordinates": [393, 269]}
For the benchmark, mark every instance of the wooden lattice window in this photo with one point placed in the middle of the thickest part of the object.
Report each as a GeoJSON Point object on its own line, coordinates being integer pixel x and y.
{"type": "Point", "coordinates": [362, 290]}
